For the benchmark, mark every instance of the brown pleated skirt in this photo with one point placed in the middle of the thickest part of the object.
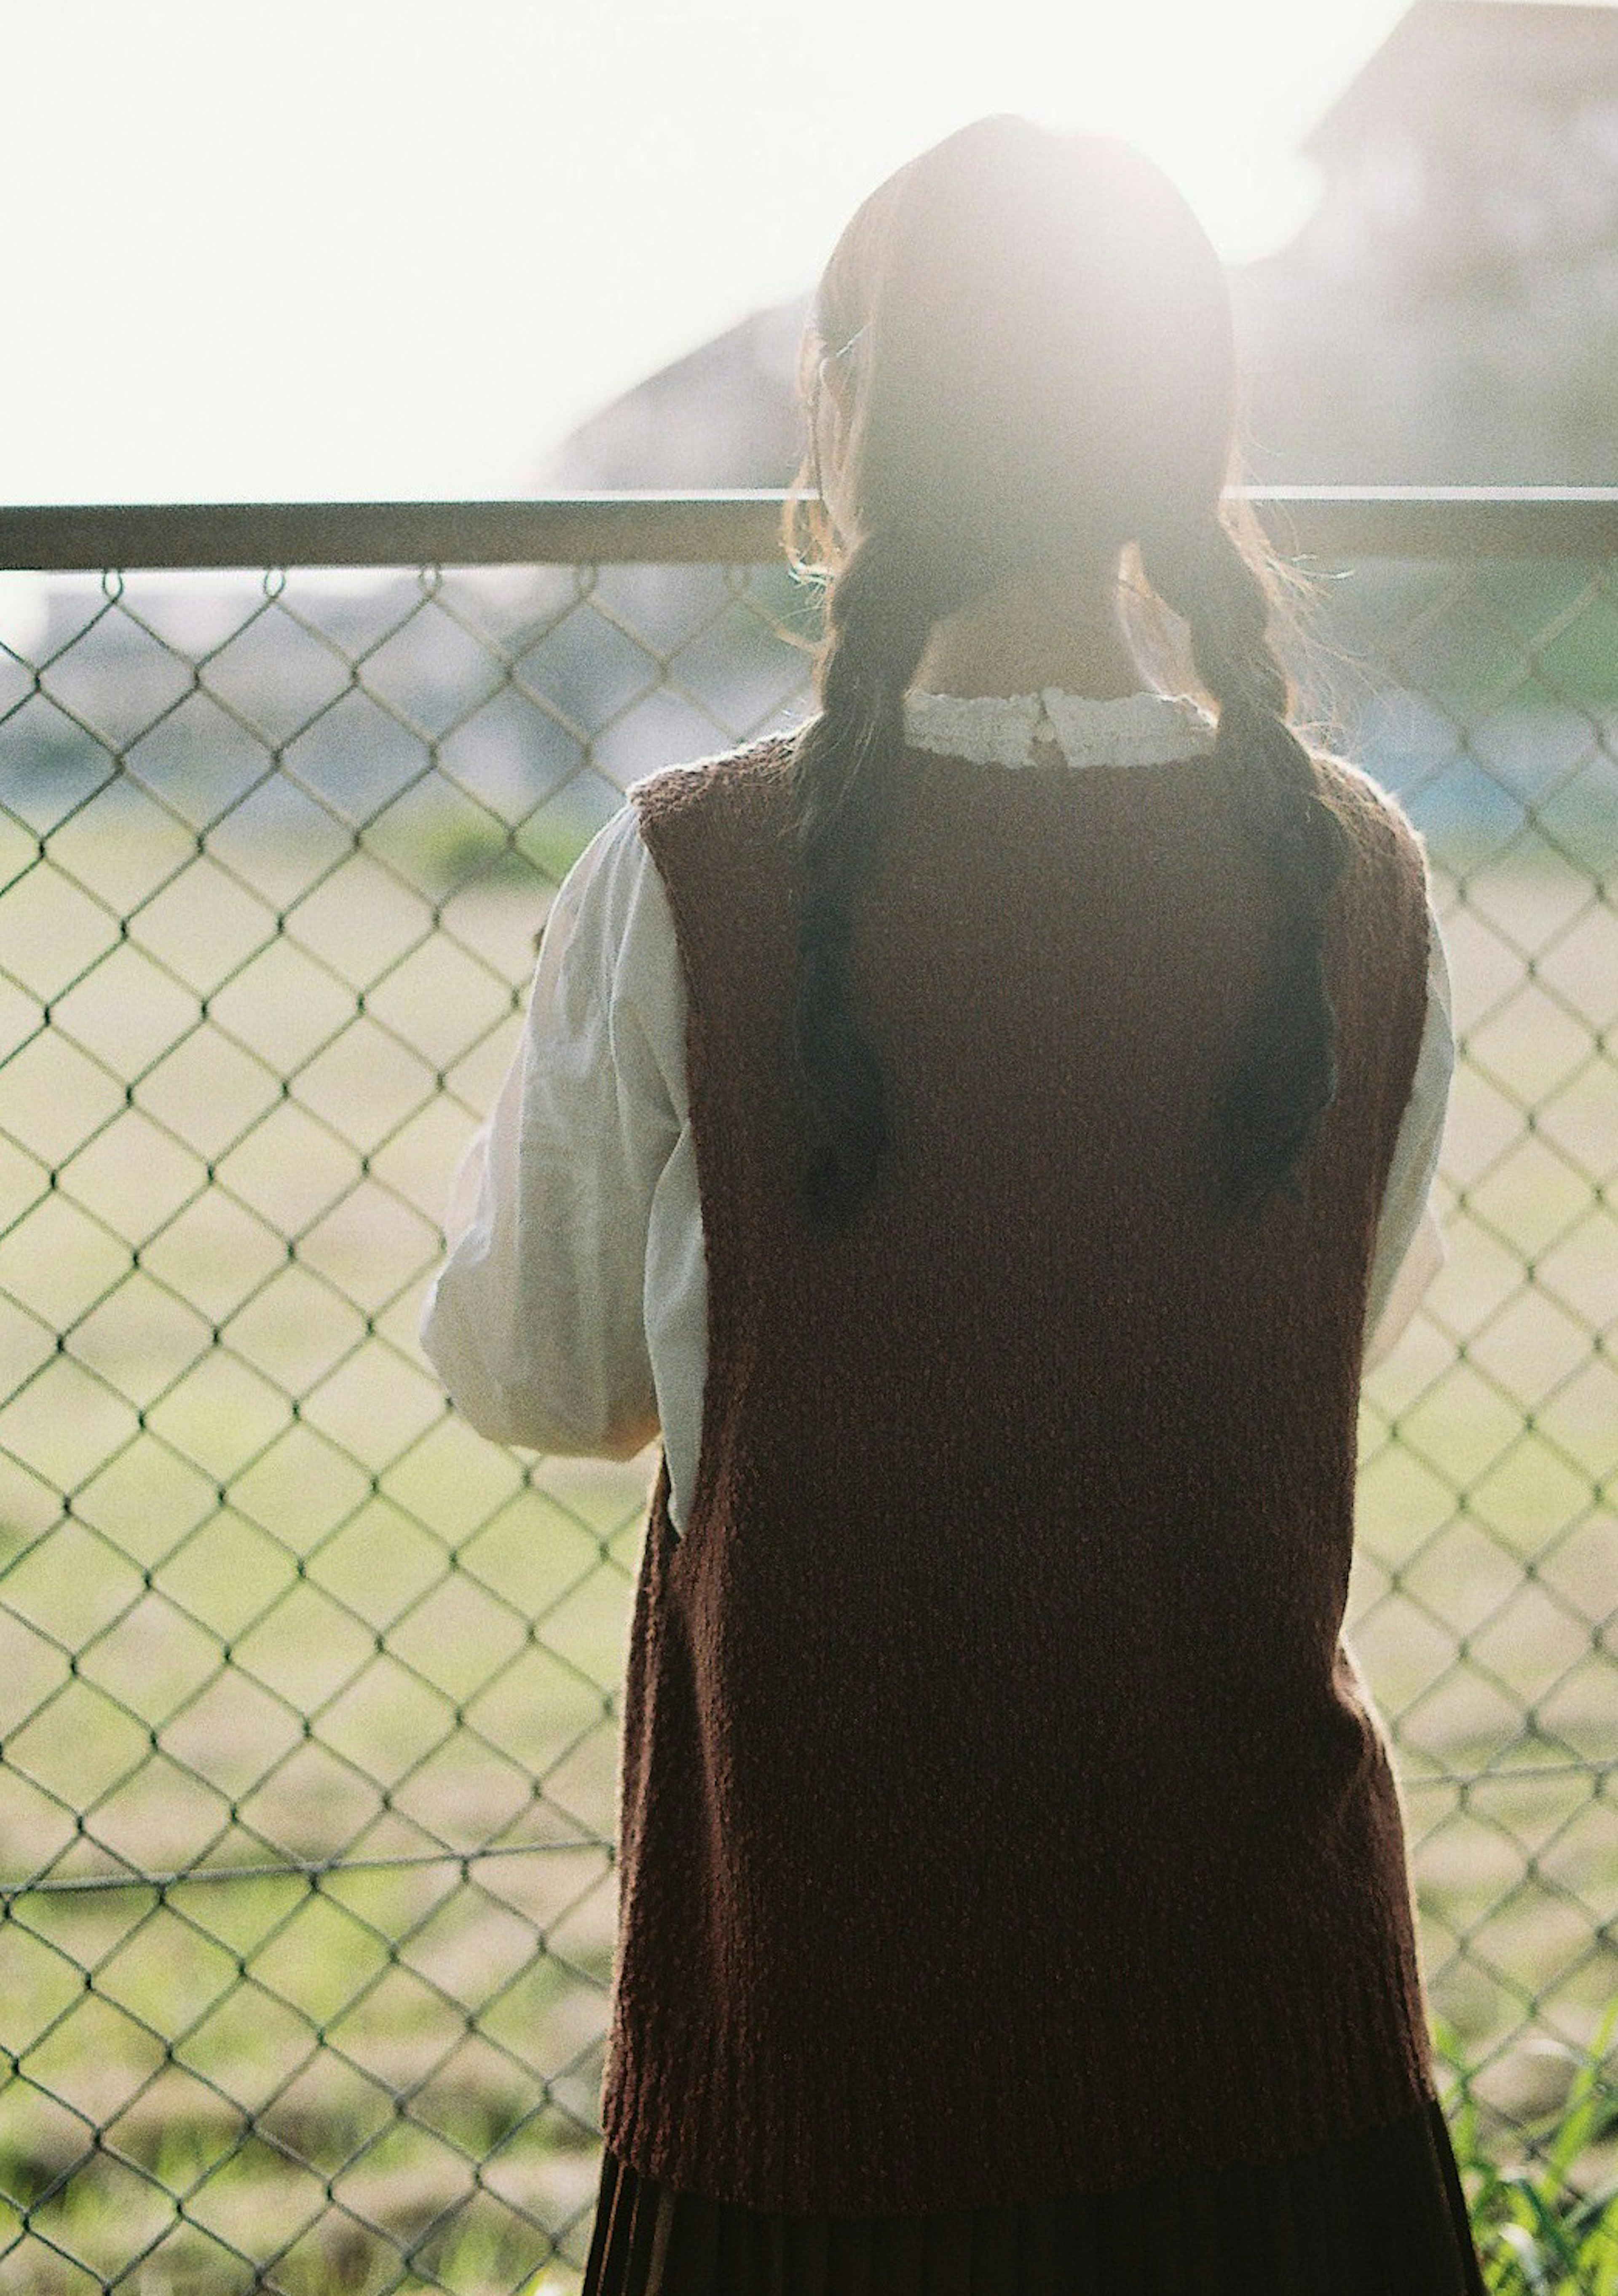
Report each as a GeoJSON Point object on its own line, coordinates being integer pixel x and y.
{"type": "Point", "coordinates": [1382, 2214]}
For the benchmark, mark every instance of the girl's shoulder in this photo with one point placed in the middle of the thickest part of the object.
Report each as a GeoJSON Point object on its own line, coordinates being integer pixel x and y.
{"type": "Point", "coordinates": [755, 773]}
{"type": "Point", "coordinates": [1374, 817]}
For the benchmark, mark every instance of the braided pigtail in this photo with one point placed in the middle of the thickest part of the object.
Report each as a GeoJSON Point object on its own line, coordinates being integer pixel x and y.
{"type": "Point", "coordinates": [1286, 1075]}
{"type": "Point", "coordinates": [878, 616]}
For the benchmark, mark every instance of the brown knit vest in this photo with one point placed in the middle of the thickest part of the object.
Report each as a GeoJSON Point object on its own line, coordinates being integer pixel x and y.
{"type": "Point", "coordinates": [1000, 1816]}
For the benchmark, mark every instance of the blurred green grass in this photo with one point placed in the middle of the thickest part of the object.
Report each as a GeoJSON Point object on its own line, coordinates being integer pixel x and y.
{"type": "Point", "coordinates": [1547, 2224]}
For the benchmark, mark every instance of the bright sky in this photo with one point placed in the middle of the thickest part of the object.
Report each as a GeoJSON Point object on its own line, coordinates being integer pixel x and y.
{"type": "Point", "coordinates": [352, 248]}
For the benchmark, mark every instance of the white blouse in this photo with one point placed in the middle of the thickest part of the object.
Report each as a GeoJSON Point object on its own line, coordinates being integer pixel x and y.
{"type": "Point", "coordinates": [571, 1314]}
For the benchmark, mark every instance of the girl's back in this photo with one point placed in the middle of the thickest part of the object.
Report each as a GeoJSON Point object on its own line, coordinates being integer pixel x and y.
{"type": "Point", "coordinates": [993, 1691]}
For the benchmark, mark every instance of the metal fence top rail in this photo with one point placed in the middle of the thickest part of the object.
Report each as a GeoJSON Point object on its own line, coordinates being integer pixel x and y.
{"type": "Point", "coordinates": [736, 528]}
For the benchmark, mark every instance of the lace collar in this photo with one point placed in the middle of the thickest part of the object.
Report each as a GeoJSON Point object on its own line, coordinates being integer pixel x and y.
{"type": "Point", "coordinates": [1138, 729]}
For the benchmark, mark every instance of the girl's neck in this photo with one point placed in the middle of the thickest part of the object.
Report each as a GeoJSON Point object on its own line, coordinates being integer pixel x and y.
{"type": "Point", "coordinates": [1028, 633]}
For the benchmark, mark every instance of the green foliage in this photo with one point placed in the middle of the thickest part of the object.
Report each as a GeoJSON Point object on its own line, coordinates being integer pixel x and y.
{"type": "Point", "coordinates": [1544, 2227]}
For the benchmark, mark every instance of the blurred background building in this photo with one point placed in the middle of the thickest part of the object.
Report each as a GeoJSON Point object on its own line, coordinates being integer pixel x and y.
{"type": "Point", "coordinates": [1448, 315]}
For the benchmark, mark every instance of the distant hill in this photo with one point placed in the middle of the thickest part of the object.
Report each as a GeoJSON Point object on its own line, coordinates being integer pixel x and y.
{"type": "Point", "coordinates": [725, 415]}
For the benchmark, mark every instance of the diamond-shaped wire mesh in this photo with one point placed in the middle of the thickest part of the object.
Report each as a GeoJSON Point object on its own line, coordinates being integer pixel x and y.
{"type": "Point", "coordinates": [307, 1695]}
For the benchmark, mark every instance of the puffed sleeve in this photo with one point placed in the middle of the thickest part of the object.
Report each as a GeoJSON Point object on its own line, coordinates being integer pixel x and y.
{"type": "Point", "coordinates": [1410, 1246]}
{"type": "Point", "coordinates": [535, 1322]}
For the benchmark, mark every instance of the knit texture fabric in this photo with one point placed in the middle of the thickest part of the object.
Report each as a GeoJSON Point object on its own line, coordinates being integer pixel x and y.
{"type": "Point", "coordinates": [1001, 1814]}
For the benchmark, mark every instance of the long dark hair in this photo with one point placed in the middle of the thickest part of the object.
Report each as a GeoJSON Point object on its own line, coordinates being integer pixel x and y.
{"type": "Point", "coordinates": [1034, 363]}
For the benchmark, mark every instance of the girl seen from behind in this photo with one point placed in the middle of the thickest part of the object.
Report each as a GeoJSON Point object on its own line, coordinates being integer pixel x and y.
{"type": "Point", "coordinates": [981, 1131]}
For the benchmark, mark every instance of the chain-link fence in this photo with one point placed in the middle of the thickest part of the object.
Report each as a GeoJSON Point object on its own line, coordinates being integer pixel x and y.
{"type": "Point", "coordinates": [307, 1694]}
